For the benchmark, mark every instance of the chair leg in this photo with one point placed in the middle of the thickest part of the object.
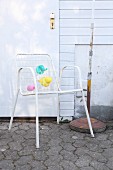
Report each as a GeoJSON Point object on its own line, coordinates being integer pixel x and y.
{"type": "Point", "coordinates": [37, 122]}
{"type": "Point", "coordinates": [87, 114]}
{"type": "Point", "coordinates": [37, 132]}
{"type": "Point", "coordinates": [58, 109]}
{"type": "Point", "coordinates": [11, 120]}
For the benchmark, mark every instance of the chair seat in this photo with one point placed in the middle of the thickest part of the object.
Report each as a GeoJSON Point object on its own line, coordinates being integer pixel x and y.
{"type": "Point", "coordinates": [53, 92]}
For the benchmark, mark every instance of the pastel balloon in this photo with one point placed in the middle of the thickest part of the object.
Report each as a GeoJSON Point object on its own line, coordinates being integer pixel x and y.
{"type": "Point", "coordinates": [40, 69]}
{"type": "Point", "coordinates": [30, 87]}
{"type": "Point", "coordinates": [45, 81]}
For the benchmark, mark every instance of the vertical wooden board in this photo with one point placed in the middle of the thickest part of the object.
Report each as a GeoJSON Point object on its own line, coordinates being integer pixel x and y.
{"type": "Point", "coordinates": [67, 97]}
{"type": "Point", "coordinates": [75, 13]}
{"type": "Point", "coordinates": [103, 4]}
{"type": "Point", "coordinates": [67, 56]}
{"type": "Point", "coordinates": [74, 39]}
{"type": "Point", "coordinates": [75, 22]}
{"type": "Point", "coordinates": [76, 4]}
{"type": "Point", "coordinates": [66, 105]}
{"type": "Point", "coordinates": [75, 31]}
{"type": "Point", "coordinates": [66, 113]}
{"type": "Point", "coordinates": [67, 82]}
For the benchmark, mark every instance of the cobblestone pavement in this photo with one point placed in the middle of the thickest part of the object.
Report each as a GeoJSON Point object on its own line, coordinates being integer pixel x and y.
{"type": "Point", "coordinates": [60, 148]}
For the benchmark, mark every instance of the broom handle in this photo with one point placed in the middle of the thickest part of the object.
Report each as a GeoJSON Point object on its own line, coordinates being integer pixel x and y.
{"type": "Point", "coordinates": [90, 60]}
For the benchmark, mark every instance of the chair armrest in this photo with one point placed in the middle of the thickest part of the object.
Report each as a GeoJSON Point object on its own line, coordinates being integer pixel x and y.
{"type": "Point", "coordinates": [70, 66]}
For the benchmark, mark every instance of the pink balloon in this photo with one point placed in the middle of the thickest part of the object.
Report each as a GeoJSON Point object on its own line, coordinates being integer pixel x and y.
{"type": "Point", "coordinates": [30, 87]}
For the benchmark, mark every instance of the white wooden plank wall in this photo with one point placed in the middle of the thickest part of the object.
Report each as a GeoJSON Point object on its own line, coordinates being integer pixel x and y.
{"type": "Point", "coordinates": [74, 27]}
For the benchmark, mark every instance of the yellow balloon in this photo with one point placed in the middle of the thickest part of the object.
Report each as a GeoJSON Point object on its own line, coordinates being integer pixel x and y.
{"type": "Point", "coordinates": [48, 79]}
{"type": "Point", "coordinates": [45, 81]}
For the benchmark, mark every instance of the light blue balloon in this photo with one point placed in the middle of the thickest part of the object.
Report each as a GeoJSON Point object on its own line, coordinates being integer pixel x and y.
{"type": "Point", "coordinates": [40, 69]}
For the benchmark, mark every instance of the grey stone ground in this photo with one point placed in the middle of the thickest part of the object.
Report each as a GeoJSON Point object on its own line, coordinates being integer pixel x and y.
{"type": "Point", "coordinates": [60, 148]}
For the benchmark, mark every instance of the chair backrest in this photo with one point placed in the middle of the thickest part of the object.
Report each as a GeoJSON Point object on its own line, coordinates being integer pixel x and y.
{"type": "Point", "coordinates": [34, 61]}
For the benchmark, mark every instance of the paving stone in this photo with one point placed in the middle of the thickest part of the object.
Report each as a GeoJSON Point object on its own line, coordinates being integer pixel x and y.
{"type": "Point", "coordinates": [6, 164]}
{"type": "Point", "coordinates": [57, 167]}
{"type": "Point", "coordinates": [79, 135]}
{"type": "Point", "coordinates": [1, 155]}
{"type": "Point", "coordinates": [54, 142]}
{"type": "Point", "coordinates": [24, 126]}
{"type": "Point", "coordinates": [105, 144]}
{"type": "Point", "coordinates": [44, 127]}
{"type": "Point", "coordinates": [102, 137]}
{"type": "Point", "coordinates": [32, 125]}
{"type": "Point", "coordinates": [99, 165]}
{"type": "Point", "coordinates": [54, 135]}
{"type": "Point", "coordinates": [4, 148]}
{"type": "Point", "coordinates": [38, 165]}
{"type": "Point", "coordinates": [2, 133]}
{"type": "Point", "coordinates": [15, 124]}
{"type": "Point", "coordinates": [74, 137]}
{"type": "Point", "coordinates": [24, 167]}
{"type": "Point", "coordinates": [38, 168]}
{"type": "Point", "coordinates": [27, 150]}
{"type": "Point", "coordinates": [53, 160]}
{"type": "Point", "coordinates": [11, 154]}
{"type": "Point", "coordinates": [5, 141]}
{"type": "Point", "coordinates": [68, 146]}
{"type": "Point", "coordinates": [4, 127]}
{"type": "Point", "coordinates": [66, 138]}
{"type": "Point", "coordinates": [92, 146]}
{"type": "Point", "coordinates": [54, 150]}
{"type": "Point", "coordinates": [15, 146]}
{"type": "Point", "coordinates": [31, 130]}
{"type": "Point", "coordinates": [29, 142]}
{"type": "Point", "coordinates": [40, 155]}
{"type": "Point", "coordinates": [110, 163]}
{"type": "Point", "coordinates": [68, 165]}
{"type": "Point", "coordinates": [83, 161]}
{"type": "Point", "coordinates": [68, 155]}
{"type": "Point", "coordinates": [24, 160]}
{"type": "Point", "coordinates": [44, 147]}
{"type": "Point", "coordinates": [87, 168]}
{"type": "Point", "coordinates": [110, 137]}
{"type": "Point", "coordinates": [14, 129]}
{"type": "Point", "coordinates": [78, 143]}
{"type": "Point", "coordinates": [108, 131]}
{"type": "Point", "coordinates": [5, 135]}
{"type": "Point", "coordinates": [64, 126]}
{"type": "Point", "coordinates": [18, 138]}
{"type": "Point", "coordinates": [21, 132]}
{"type": "Point", "coordinates": [108, 153]}
{"type": "Point", "coordinates": [81, 151]}
{"type": "Point", "coordinates": [67, 133]}
{"type": "Point", "coordinates": [30, 136]}
{"type": "Point", "coordinates": [54, 126]}
{"type": "Point", "coordinates": [97, 156]}
{"type": "Point", "coordinates": [44, 139]}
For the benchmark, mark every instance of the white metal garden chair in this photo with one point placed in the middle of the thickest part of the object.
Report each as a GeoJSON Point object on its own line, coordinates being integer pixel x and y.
{"type": "Point", "coordinates": [26, 71]}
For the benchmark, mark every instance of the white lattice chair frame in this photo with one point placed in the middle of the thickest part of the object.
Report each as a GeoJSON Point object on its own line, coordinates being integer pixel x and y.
{"type": "Point", "coordinates": [37, 93]}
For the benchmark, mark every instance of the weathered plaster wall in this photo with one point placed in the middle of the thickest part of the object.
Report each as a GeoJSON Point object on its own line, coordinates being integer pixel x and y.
{"type": "Point", "coordinates": [25, 28]}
